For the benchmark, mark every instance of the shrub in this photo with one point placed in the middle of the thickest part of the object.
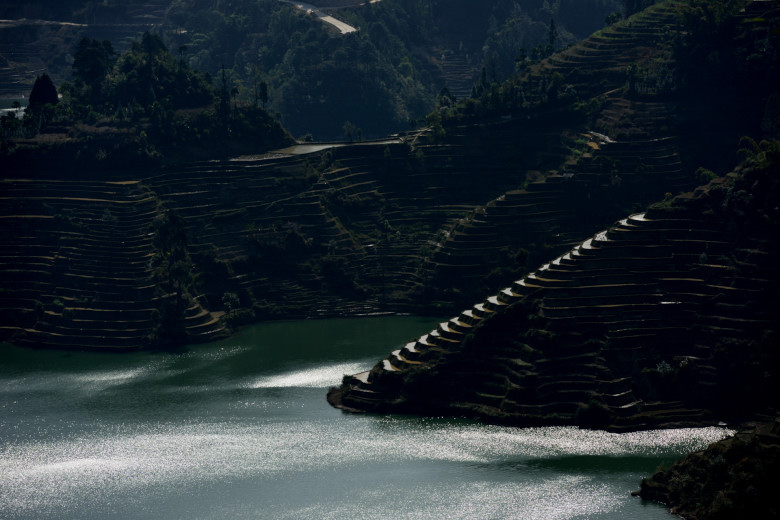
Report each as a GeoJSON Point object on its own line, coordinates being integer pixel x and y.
{"type": "Point", "coordinates": [594, 415]}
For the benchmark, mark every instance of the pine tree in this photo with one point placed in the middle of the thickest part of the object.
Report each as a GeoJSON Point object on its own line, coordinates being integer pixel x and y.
{"type": "Point", "coordinates": [43, 92]}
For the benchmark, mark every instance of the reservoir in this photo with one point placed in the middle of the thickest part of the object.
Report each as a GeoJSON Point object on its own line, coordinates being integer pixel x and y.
{"type": "Point", "coordinates": [240, 429]}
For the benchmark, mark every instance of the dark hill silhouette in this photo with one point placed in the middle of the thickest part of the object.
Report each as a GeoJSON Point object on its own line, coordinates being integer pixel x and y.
{"type": "Point", "coordinates": [667, 318]}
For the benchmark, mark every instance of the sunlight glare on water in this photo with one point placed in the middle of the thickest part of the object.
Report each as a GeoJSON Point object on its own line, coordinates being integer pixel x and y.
{"type": "Point", "coordinates": [242, 431]}
{"type": "Point", "coordinates": [316, 377]}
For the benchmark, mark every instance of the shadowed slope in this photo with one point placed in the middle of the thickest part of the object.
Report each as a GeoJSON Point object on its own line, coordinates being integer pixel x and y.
{"type": "Point", "coordinates": [427, 222]}
{"type": "Point", "coordinates": [667, 318]}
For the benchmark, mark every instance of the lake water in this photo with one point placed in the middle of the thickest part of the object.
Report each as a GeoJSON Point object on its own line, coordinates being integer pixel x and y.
{"type": "Point", "coordinates": [240, 429]}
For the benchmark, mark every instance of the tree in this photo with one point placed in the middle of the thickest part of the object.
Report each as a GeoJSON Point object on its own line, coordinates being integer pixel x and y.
{"type": "Point", "coordinates": [170, 239]}
{"type": "Point", "coordinates": [634, 6]}
{"type": "Point", "coordinates": [43, 92]}
{"type": "Point", "coordinates": [263, 92]}
{"type": "Point", "coordinates": [91, 61]}
{"type": "Point", "coordinates": [552, 37]}
{"type": "Point", "coordinates": [179, 276]}
{"type": "Point", "coordinates": [148, 73]}
{"type": "Point", "coordinates": [349, 130]}
{"type": "Point", "coordinates": [43, 97]}
{"type": "Point", "coordinates": [230, 301]}
{"type": "Point", "coordinates": [446, 99]}
{"type": "Point", "coordinates": [223, 108]}
{"type": "Point", "coordinates": [170, 235]}
{"type": "Point", "coordinates": [152, 44]}
{"type": "Point", "coordinates": [613, 18]}
{"type": "Point", "coordinates": [182, 50]}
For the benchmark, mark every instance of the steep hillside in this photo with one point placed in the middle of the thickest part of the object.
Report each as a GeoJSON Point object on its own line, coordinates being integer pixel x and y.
{"type": "Point", "coordinates": [77, 268]}
{"type": "Point", "coordinates": [669, 317]}
{"type": "Point", "coordinates": [425, 222]}
{"type": "Point", "coordinates": [626, 123]}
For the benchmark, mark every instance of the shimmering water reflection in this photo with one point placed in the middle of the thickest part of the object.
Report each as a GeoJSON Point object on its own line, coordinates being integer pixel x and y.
{"type": "Point", "coordinates": [241, 429]}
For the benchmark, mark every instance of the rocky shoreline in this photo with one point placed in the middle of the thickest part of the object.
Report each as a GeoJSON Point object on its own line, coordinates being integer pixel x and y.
{"type": "Point", "coordinates": [732, 478]}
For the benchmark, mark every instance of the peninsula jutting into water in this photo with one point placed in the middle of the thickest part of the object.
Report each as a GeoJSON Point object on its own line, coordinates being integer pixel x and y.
{"type": "Point", "coordinates": [592, 219]}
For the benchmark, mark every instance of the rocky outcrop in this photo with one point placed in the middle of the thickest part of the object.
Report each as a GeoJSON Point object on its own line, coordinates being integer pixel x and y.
{"type": "Point", "coordinates": [667, 318]}
{"type": "Point", "coordinates": [732, 478]}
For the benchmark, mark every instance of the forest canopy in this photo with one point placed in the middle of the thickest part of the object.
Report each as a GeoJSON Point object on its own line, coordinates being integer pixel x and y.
{"type": "Point", "coordinates": [148, 100]}
{"type": "Point", "coordinates": [384, 76]}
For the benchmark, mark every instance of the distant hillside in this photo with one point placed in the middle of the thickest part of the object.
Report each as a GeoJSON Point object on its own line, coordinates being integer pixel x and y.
{"type": "Point", "coordinates": [41, 36]}
{"type": "Point", "coordinates": [379, 80]}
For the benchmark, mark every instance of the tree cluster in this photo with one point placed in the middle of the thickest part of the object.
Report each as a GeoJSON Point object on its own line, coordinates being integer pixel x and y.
{"type": "Point", "coordinates": [277, 55]}
{"type": "Point", "coordinates": [40, 110]}
{"type": "Point", "coordinates": [171, 106]}
{"type": "Point", "coordinates": [147, 74]}
{"type": "Point", "coordinates": [379, 78]}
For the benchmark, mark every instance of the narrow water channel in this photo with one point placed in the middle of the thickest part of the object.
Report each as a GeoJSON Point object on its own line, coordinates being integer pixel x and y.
{"type": "Point", "coordinates": [240, 429]}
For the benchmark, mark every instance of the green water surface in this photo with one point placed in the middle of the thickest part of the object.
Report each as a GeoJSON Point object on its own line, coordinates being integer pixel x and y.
{"type": "Point", "coordinates": [240, 429]}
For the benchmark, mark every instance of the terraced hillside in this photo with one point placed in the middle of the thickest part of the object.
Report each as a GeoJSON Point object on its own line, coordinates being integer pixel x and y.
{"type": "Point", "coordinates": [77, 267]}
{"type": "Point", "coordinates": [548, 215]}
{"type": "Point", "coordinates": [337, 232]}
{"type": "Point", "coordinates": [427, 222]}
{"type": "Point", "coordinates": [669, 317]}
{"type": "Point", "coordinates": [37, 38]}
{"type": "Point", "coordinates": [623, 132]}
{"type": "Point", "coordinates": [351, 230]}
{"type": "Point", "coordinates": [458, 73]}
{"type": "Point", "coordinates": [627, 152]}
{"type": "Point", "coordinates": [598, 65]}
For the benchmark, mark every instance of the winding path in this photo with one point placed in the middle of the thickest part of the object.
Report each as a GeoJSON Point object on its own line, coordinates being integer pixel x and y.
{"type": "Point", "coordinates": [319, 12]}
